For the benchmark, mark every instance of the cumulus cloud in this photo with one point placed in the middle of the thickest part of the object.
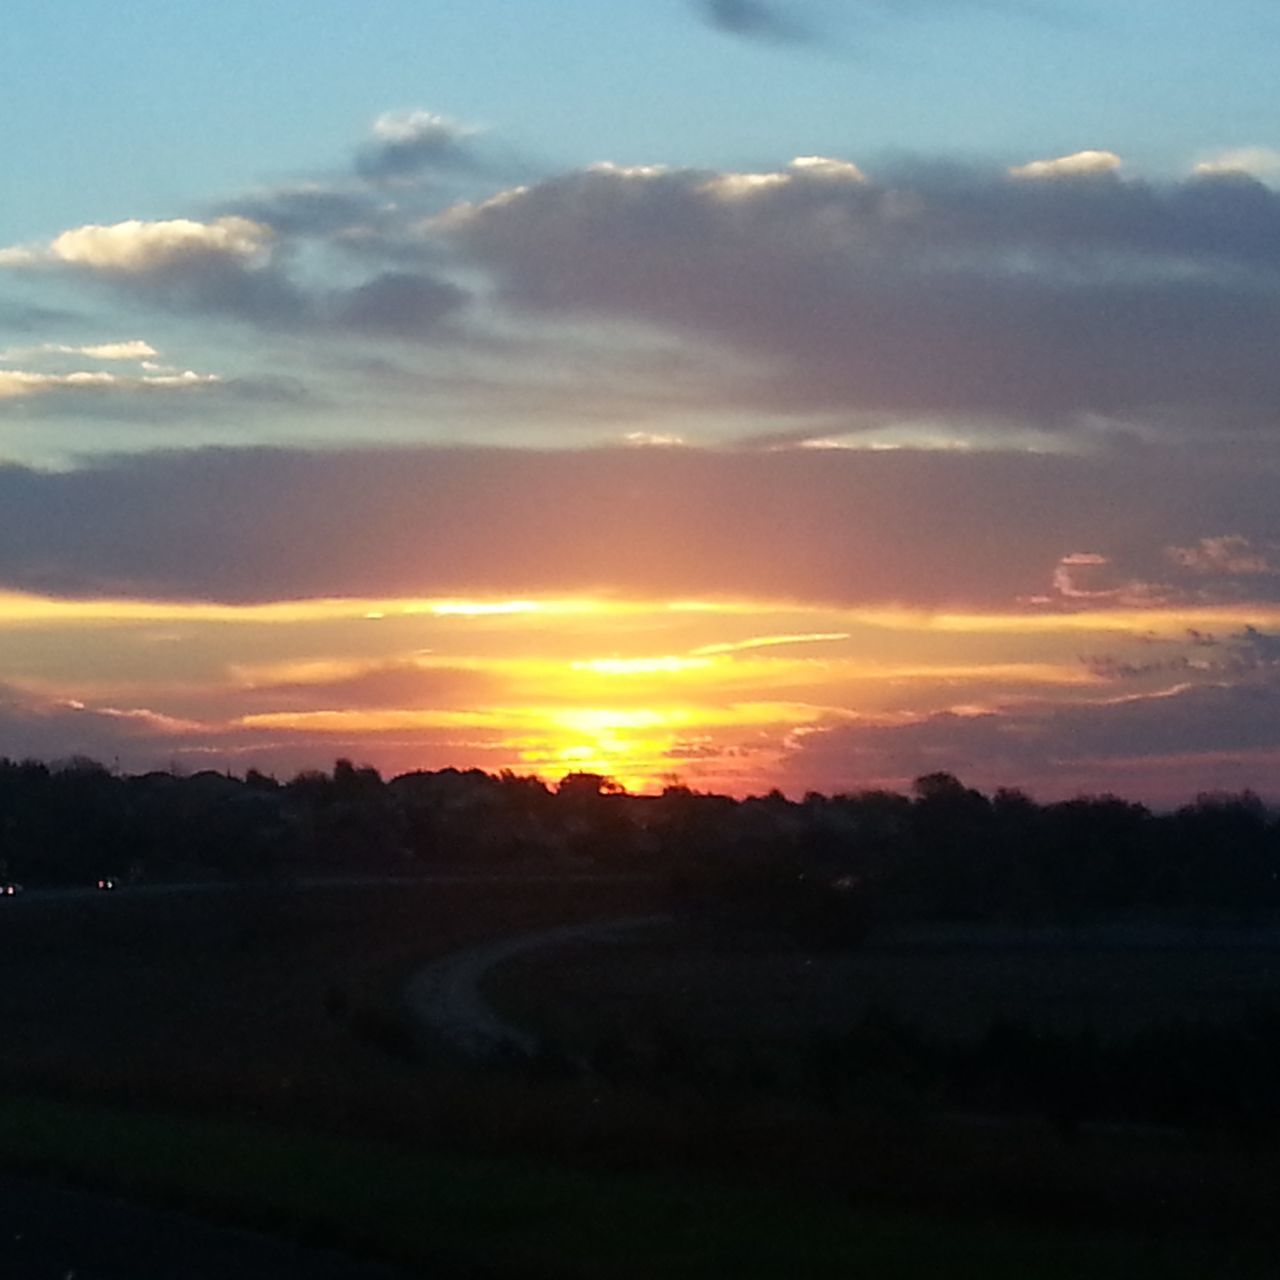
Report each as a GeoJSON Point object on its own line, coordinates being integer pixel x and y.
{"type": "Point", "coordinates": [222, 266]}
{"type": "Point", "coordinates": [227, 267]}
{"type": "Point", "coordinates": [1262, 163]}
{"type": "Point", "coordinates": [1061, 296]}
{"type": "Point", "coordinates": [398, 303]}
{"type": "Point", "coordinates": [1080, 164]}
{"type": "Point", "coordinates": [410, 142]}
{"type": "Point", "coordinates": [312, 209]}
{"type": "Point", "coordinates": [935, 291]}
{"type": "Point", "coordinates": [135, 246]}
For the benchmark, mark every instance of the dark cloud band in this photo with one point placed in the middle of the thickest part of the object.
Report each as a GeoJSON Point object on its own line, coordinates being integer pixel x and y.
{"type": "Point", "coordinates": [923, 529]}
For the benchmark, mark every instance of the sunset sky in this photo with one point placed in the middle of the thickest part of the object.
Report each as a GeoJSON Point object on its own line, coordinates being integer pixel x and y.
{"type": "Point", "coordinates": [750, 393]}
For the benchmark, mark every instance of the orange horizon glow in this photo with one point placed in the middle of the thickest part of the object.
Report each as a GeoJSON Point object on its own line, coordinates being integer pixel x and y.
{"type": "Point", "coordinates": [640, 690]}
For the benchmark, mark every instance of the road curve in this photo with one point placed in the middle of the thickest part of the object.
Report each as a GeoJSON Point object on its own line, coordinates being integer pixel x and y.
{"type": "Point", "coordinates": [444, 998]}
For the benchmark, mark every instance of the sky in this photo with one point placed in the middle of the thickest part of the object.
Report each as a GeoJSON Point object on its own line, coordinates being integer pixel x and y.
{"type": "Point", "coordinates": [807, 394]}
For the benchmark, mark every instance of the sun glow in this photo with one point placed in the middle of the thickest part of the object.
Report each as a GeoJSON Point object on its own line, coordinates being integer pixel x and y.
{"type": "Point", "coordinates": [641, 666]}
{"type": "Point", "coordinates": [719, 692]}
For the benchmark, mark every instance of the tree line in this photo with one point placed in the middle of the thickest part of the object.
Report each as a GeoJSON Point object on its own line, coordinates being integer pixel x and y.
{"type": "Point", "coordinates": [944, 850]}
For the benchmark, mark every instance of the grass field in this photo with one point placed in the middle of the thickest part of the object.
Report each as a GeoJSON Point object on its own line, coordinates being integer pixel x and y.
{"type": "Point", "coordinates": [705, 983]}
{"type": "Point", "coordinates": [452, 1215]}
{"type": "Point", "coordinates": [242, 1054]}
{"type": "Point", "coordinates": [210, 997]}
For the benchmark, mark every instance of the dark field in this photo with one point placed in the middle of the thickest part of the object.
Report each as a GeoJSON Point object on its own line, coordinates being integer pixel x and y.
{"type": "Point", "coordinates": [706, 983]}
{"type": "Point", "coordinates": [245, 1053]}
{"type": "Point", "coordinates": [243, 995]}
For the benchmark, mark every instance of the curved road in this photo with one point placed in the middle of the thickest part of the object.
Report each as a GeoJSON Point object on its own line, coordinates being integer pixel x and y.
{"type": "Point", "coordinates": [445, 999]}
{"type": "Point", "coordinates": [50, 1232]}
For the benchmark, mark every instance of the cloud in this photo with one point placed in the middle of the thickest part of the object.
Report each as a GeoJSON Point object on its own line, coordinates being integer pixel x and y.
{"type": "Point", "coordinates": [48, 728]}
{"type": "Point", "coordinates": [150, 398]}
{"type": "Point", "coordinates": [1262, 163]}
{"type": "Point", "coordinates": [1086, 577]}
{"type": "Point", "coordinates": [924, 530]}
{"type": "Point", "coordinates": [134, 349]}
{"type": "Point", "coordinates": [16, 384]}
{"type": "Point", "coordinates": [130, 349]}
{"type": "Point", "coordinates": [227, 267]}
{"type": "Point", "coordinates": [313, 209]}
{"type": "Point", "coordinates": [410, 142]}
{"type": "Point", "coordinates": [397, 304]}
{"type": "Point", "coordinates": [1162, 747]}
{"type": "Point", "coordinates": [141, 247]}
{"type": "Point", "coordinates": [795, 21]}
{"type": "Point", "coordinates": [391, 683]}
{"type": "Point", "coordinates": [954, 301]}
{"type": "Point", "coordinates": [1197, 654]}
{"type": "Point", "coordinates": [953, 292]}
{"type": "Point", "coordinates": [754, 19]}
{"type": "Point", "coordinates": [1227, 554]}
{"type": "Point", "coordinates": [222, 266]}
{"type": "Point", "coordinates": [1080, 164]}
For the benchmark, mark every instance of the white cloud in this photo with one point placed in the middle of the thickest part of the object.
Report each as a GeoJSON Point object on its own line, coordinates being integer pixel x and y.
{"type": "Point", "coordinates": [132, 349]}
{"type": "Point", "coordinates": [619, 171]}
{"type": "Point", "coordinates": [739, 186]}
{"type": "Point", "coordinates": [1077, 165]}
{"type": "Point", "coordinates": [416, 125]}
{"type": "Point", "coordinates": [654, 439]}
{"type": "Point", "coordinates": [407, 143]}
{"type": "Point", "coordinates": [827, 167]}
{"type": "Point", "coordinates": [135, 247]}
{"type": "Point", "coordinates": [17, 384]}
{"type": "Point", "coordinates": [1258, 162]}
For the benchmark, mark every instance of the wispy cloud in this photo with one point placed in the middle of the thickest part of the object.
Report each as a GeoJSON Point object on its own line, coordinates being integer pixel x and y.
{"type": "Point", "coordinates": [1162, 746]}
{"type": "Point", "coordinates": [812, 21]}
{"type": "Point", "coordinates": [754, 19]}
{"type": "Point", "coordinates": [132, 349]}
{"type": "Point", "coordinates": [20, 383]}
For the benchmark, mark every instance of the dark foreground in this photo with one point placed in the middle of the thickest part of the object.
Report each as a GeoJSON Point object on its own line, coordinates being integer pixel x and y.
{"type": "Point", "coordinates": [52, 1233]}
{"type": "Point", "coordinates": [245, 1056]}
